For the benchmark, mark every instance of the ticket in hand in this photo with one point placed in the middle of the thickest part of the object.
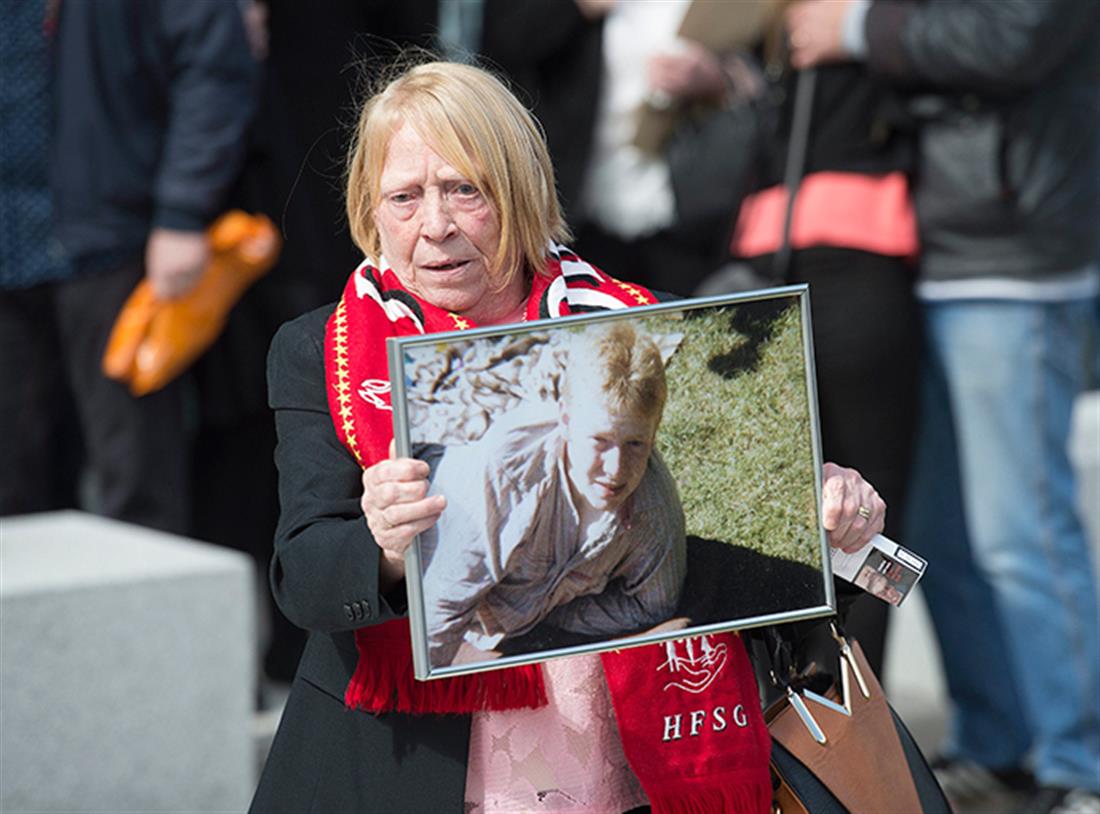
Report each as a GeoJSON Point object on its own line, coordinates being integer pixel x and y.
{"type": "Point", "coordinates": [882, 567]}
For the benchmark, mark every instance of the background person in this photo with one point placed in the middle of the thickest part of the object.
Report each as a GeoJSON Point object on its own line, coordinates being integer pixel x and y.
{"type": "Point", "coordinates": [152, 101]}
{"type": "Point", "coordinates": [1007, 203]}
{"type": "Point", "coordinates": [853, 239]}
{"type": "Point", "coordinates": [451, 196]}
{"type": "Point", "coordinates": [292, 174]}
{"type": "Point", "coordinates": [566, 516]}
{"type": "Point", "coordinates": [41, 443]}
{"type": "Point", "coordinates": [587, 66]}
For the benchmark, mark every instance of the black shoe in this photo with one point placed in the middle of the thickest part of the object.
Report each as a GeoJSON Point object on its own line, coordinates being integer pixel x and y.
{"type": "Point", "coordinates": [1059, 800]}
{"type": "Point", "coordinates": [969, 785]}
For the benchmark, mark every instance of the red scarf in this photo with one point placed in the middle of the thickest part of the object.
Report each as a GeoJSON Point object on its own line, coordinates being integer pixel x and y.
{"type": "Point", "coordinates": [688, 712]}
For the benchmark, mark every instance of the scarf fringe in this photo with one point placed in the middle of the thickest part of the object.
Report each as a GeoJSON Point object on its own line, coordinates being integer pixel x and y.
{"type": "Point", "coordinates": [385, 683]}
{"type": "Point", "coordinates": [714, 796]}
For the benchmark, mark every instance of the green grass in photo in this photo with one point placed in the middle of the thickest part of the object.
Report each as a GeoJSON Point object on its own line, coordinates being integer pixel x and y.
{"type": "Point", "coordinates": [736, 433]}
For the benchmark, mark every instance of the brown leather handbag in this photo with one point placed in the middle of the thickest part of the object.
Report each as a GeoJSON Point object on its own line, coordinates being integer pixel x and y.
{"type": "Point", "coordinates": [845, 750]}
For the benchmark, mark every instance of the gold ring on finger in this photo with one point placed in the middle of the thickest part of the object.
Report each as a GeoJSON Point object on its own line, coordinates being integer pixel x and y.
{"type": "Point", "coordinates": [864, 512]}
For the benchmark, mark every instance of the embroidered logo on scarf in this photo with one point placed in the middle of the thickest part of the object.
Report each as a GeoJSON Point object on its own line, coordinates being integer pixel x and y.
{"type": "Point", "coordinates": [372, 390]}
{"type": "Point", "coordinates": [694, 669]}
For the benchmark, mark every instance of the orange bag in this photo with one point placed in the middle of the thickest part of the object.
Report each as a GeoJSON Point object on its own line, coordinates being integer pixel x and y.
{"type": "Point", "coordinates": [153, 341]}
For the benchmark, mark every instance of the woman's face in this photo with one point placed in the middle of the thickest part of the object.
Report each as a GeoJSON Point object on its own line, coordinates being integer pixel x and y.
{"type": "Point", "coordinates": [440, 233]}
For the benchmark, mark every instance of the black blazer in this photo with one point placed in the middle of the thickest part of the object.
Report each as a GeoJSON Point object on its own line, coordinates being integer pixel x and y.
{"type": "Point", "coordinates": [324, 576]}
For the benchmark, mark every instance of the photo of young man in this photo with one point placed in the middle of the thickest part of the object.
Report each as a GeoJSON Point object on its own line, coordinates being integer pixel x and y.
{"type": "Point", "coordinates": [562, 516]}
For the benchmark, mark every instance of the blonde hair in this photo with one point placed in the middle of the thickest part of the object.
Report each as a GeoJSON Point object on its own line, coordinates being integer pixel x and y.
{"type": "Point", "coordinates": [622, 364]}
{"type": "Point", "coordinates": [474, 122]}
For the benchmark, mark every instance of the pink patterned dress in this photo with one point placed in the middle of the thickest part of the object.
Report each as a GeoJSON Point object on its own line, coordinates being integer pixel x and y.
{"type": "Point", "coordinates": [564, 758]}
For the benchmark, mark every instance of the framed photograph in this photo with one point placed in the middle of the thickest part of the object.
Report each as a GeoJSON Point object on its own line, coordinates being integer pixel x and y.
{"type": "Point", "coordinates": [613, 479]}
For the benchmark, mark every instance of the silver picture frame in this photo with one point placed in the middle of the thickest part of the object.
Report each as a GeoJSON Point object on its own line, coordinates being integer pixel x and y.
{"type": "Point", "coordinates": [739, 435]}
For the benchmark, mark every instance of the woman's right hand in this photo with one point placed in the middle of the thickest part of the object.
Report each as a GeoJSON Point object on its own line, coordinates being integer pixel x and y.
{"type": "Point", "coordinates": [397, 508]}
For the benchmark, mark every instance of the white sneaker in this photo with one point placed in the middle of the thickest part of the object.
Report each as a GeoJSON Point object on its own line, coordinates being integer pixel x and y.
{"type": "Point", "coordinates": [1077, 801]}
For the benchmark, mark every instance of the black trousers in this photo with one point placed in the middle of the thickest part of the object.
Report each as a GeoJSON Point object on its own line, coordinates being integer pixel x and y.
{"type": "Point", "coordinates": [867, 339]}
{"type": "Point", "coordinates": [236, 504]}
{"type": "Point", "coordinates": [60, 413]}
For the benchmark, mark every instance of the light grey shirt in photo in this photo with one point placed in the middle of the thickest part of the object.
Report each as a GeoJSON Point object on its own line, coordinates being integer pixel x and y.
{"type": "Point", "coordinates": [506, 553]}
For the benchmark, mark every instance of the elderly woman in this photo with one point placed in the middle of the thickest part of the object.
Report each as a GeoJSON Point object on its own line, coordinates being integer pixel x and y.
{"type": "Point", "coordinates": [451, 197]}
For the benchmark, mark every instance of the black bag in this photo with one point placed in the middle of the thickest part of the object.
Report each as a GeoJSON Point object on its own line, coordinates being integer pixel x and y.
{"type": "Point", "coordinates": [711, 159]}
{"type": "Point", "coordinates": [711, 166]}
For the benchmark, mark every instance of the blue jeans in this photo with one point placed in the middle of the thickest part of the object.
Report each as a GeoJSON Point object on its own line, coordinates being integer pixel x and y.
{"type": "Point", "coordinates": [1009, 584]}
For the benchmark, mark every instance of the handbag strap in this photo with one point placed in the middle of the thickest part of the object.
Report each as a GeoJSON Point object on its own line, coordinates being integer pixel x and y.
{"type": "Point", "coordinates": [776, 652]}
{"type": "Point", "coordinates": [805, 89]}
{"type": "Point", "coordinates": [797, 683]}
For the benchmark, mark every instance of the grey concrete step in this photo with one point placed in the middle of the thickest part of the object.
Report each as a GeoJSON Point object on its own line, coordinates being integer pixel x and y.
{"type": "Point", "coordinates": [126, 667]}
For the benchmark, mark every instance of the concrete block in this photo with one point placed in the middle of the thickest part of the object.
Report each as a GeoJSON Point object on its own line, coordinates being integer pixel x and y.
{"type": "Point", "coordinates": [127, 669]}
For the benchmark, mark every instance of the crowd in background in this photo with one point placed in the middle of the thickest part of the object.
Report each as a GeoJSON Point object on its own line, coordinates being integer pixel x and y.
{"type": "Point", "coordinates": [946, 160]}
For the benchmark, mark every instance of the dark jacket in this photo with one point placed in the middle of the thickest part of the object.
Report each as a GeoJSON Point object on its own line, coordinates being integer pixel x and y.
{"type": "Point", "coordinates": [1009, 91]}
{"type": "Point", "coordinates": [555, 57]}
{"type": "Point", "coordinates": [314, 76]}
{"type": "Point", "coordinates": [856, 125]}
{"type": "Point", "coordinates": [153, 98]}
{"type": "Point", "coordinates": [325, 579]}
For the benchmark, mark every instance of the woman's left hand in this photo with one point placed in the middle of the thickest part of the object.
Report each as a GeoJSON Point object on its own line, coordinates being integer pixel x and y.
{"type": "Point", "coordinates": [851, 510]}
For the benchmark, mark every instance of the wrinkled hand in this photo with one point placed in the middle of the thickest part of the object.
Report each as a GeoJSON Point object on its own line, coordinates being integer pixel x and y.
{"type": "Point", "coordinates": [397, 508]}
{"type": "Point", "coordinates": [845, 493]}
{"type": "Point", "coordinates": [815, 29]}
{"type": "Point", "coordinates": [175, 261]}
{"type": "Point", "coordinates": [690, 71]}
